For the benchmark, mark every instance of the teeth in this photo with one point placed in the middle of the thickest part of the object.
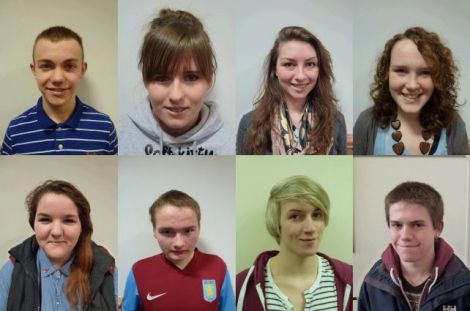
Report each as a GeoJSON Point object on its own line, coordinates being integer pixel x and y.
{"type": "Point", "coordinates": [411, 96]}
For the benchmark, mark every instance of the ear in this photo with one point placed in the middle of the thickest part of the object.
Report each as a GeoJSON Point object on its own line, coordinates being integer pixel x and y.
{"type": "Point", "coordinates": [33, 69]}
{"type": "Point", "coordinates": [84, 67]}
{"type": "Point", "coordinates": [438, 229]}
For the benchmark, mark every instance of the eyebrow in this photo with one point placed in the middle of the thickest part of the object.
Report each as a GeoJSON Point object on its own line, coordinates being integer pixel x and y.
{"type": "Point", "coordinates": [65, 61]}
{"type": "Point", "coordinates": [292, 59]}
{"type": "Point", "coordinates": [65, 216]}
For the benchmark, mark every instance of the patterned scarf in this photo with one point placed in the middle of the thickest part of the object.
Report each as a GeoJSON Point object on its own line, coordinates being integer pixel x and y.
{"type": "Point", "coordinates": [283, 138]}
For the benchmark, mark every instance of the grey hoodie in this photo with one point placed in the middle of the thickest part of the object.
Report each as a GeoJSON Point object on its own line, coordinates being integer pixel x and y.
{"type": "Point", "coordinates": [141, 134]}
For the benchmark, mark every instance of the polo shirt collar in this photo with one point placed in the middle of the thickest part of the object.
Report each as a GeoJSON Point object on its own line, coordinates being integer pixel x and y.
{"type": "Point", "coordinates": [47, 268]}
{"type": "Point", "coordinates": [72, 122]}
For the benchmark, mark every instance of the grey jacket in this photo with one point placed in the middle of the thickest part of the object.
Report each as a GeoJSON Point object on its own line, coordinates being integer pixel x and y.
{"type": "Point", "coordinates": [141, 134]}
{"type": "Point", "coordinates": [365, 131]}
{"type": "Point", "coordinates": [339, 144]}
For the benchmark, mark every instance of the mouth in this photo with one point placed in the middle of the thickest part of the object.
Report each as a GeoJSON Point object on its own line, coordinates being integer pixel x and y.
{"type": "Point", "coordinates": [407, 246]}
{"type": "Point", "coordinates": [179, 252]}
{"type": "Point", "coordinates": [308, 240]}
{"type": "Point", "coordinates": [411, 97]}
{"type": "Point", "coordinates": [300, 86]}
{"type": "Point", "coordinates": [56, 91]}
{"type": "Point", "coordinates": [56, 242]}
{"type": "Point", "coordinates": [176, 109]}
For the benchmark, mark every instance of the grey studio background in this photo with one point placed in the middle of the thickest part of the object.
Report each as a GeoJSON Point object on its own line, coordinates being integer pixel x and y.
{"type": "Point", "coordinates": [218, 21]}
{"type": "Point", "coordinates": [377, 21]}
{"type": "Point", "coordinates": [209, 180]}
{"type": "Point", "coordinates": [257, 24]}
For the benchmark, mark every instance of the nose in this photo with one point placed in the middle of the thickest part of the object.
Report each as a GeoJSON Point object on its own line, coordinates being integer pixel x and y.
{"type": "Point", "coordinates": [56, 229]}
{"type": "Point", "coordinates": [57, 75]}
{"type": "Point", "coordinates": [309, 225]}
{"type": "Point", "coordinates": [300, 73]}
{"type": "Point", "coordinates": [176, 91]}
{"type": "Point", "coordinates": [412, 82]}
{"type": "Point", "coordinates": [406, 233]}
{"type": "Point", "coordinates": [178, 242]}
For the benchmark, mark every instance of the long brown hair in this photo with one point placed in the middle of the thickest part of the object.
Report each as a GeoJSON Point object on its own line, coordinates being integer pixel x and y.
{"type": "Point", "coordinates": [440, 110]}
{"type": "Point", "coordinates": [77, 285]}
{"type": "Point", "coordinates": [271, 95]}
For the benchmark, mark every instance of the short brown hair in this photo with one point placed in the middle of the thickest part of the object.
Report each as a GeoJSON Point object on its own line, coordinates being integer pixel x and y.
{"type": "Point", "coordinates": [174, 198]}
{"type": "Point", "coordinates": [174, 39]}
{"type": "Point", "coordinates": [59, 33]}
{"type": "Point", "coordinates": [418, 193]}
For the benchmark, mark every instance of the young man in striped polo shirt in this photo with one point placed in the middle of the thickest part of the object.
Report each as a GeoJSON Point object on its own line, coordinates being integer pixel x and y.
{"type": "Point", "coordinates": [59, 123]}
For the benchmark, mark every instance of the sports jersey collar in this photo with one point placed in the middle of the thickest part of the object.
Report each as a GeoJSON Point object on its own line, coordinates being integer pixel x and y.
{"type": "Point", "coordinates": [47, 122]}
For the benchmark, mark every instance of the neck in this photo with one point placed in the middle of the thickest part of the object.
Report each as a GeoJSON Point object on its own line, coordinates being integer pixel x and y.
{"type": "Point", "coordinates": [411, 119]}
{"type": "Point", "coordinates": [183, 263]}
{"type": "Point", "coordinates": [61, 113]}
{"type": "Point", "coordinates": [417, 272]}
{"type": "Point", "coordinates": [286, 263]}
{"type": "Point", "coordinates": [296, 106]}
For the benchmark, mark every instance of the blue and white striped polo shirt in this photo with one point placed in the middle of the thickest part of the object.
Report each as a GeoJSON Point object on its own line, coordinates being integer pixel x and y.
{"type": "Point", "coordinates": [87, 131]}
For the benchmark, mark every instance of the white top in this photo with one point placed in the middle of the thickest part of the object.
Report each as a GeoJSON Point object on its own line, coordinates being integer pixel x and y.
{"type": "Point", "coordinates": [320, 296]}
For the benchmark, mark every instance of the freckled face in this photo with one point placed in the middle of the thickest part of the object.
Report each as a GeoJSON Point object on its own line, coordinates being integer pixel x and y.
{"type": "Point", "coordinates": [57, 227]}
{"type": "Point", "coordinates": [412, 233]}
{"type": "Point", "coordinates": [302, 227]}
{"type": "Point", "coordinates": [177, 99]}
{"type": "Point", "coordinates": [297, 70]}
{"type": "Point", "coordinates": [58, 68]}
{"type": "Point", "coordinates": [410, 81]}
{"type": "Point", "coordinates": [177, 233]}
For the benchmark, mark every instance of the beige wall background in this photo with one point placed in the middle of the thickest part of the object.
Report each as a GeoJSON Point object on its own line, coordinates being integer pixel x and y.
{"type": "Point", "coordinates": [20, 23]}
{"type": "Point", "coordinates": [255, 177]}
{"type": "Point", "coordinates": [374, 177]}
{"type": "Point", "coordinates": [95, 176]}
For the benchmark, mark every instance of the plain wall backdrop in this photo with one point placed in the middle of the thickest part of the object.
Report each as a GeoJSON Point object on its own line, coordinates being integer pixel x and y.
{"type": "Point", "coordinates": [255, 177]}
{"type": "Point", "coordinates": [374, 177]}
{"type": "Point", "coordinates": [210, 181]}
{"type": "Point", "coordinates": [377, 21]}
{"type": "Point", "coordinates": [21, 21]}
{"type": "Point", "coordinates": [257, 24]}
{"type": "Point", "coordinates": [94, 176]}
{"type": "Point", "coordinates": [218, 21]}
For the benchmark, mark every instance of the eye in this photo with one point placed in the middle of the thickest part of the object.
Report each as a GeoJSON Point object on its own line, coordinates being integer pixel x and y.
{"type": "Point", "coordinates": [161, 78]}
{"type": "Point", "coordinates": [311, 64]}
{"type": "Point", "coordinates": [192, 77]}
{"type": "Point", "coordinates": [44, 220]}
{"type": "Point", "coordinates": [189, 231]}
{"type": "Point", "coordinates": [166, 232]}
{"type": "Point", "coordinates": [45, 66]}
{"type": "Point", "coordinates": [417, 225]}
{"type": "Point", "coordinates": [288, 65]}
{"type": "Point", "coordinates": [317, 215]}
{"type": "Point", "coordinates": [70, 67]}
{"type": "Point", "coordinates": [425, 73]}
{"type": "Point", "coordinates": [400, 71]}
{"type": "Point", "coordinates": [395, 225]}
{"type": "Point", "coordinates": [295, 217]}
{"type": "Point", "coordinates": [70, 220]}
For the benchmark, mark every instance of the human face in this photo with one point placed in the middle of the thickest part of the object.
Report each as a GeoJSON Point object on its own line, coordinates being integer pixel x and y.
{"type": "Point", "coordinates": [412, 233]}
{"type": "Point", "coordinates": [177, 232]}
{"type": "Point", "coordinates": [58, 68]}
{"type": "Point", "coordinates": [297, 70]}
{"type": "Point", "coordinates": [410, 80]}
{"type": "Point", "coordinates": [177, 99]}
{"type": "Point", "coordinates": [57, 227]}
{"type": "Point", "coordinates": [301, 227]}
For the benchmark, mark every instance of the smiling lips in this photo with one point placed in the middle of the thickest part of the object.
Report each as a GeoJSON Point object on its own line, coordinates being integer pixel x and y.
{"type": "Point", "coordinates": [176, 109]}
{"type": "Point", "coordinates": [411, 96]}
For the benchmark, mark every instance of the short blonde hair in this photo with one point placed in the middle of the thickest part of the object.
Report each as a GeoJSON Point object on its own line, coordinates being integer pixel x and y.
{"type": "Point", "coordinates": [299, 188]}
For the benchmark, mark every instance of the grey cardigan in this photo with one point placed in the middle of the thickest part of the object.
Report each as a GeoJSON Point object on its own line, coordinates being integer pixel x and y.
{"type": "Point", "coordinates": [365, 131]}
{"type": "Point", "coordinates": [339, 144]}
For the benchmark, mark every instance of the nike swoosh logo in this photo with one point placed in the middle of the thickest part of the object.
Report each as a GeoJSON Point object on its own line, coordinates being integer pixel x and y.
{"type": "Point", "coordinates": [150, 297]}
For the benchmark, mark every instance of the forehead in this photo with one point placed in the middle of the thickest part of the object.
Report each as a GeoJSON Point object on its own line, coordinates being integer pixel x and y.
{"type": "Point", "coordinates": [56, 205]}
{"type": "Point", "coordinates": [406, 212]}
{"type": "Point", "coordinates": [406, 53]}
{"type": "Point", "coordinates": [296, 49]}
{"type": "Point", "coordinates": [296, 205]}
{"type": "Point", "coordinates": [68, 49]}
{"type": "Point", "coordinates": [172, 216]}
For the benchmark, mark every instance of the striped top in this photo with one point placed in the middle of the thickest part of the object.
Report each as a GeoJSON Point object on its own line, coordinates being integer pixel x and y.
{"type": "Point", "coordinates": [87, 131]}
{"type": "Point", "coordinates": [320, 296]}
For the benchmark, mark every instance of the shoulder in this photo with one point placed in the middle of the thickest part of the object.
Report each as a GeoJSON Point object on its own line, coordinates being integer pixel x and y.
{"type": "Point", "coordinates": [212, 260]}
{"type": "Point", "coordinates": [342, 269]}
{"type": "Point", "coordinates": [245, 120]}
{"type": "Point", "coordinates": [27, 116]}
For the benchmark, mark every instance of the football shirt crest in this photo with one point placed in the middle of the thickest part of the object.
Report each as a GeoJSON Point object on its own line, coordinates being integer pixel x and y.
{"type": "Point", "coordinates": [209, 290]}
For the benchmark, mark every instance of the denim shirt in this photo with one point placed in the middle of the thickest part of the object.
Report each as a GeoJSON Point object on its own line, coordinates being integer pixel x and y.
{"type": "Point", "coordinates": [53, 283]}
